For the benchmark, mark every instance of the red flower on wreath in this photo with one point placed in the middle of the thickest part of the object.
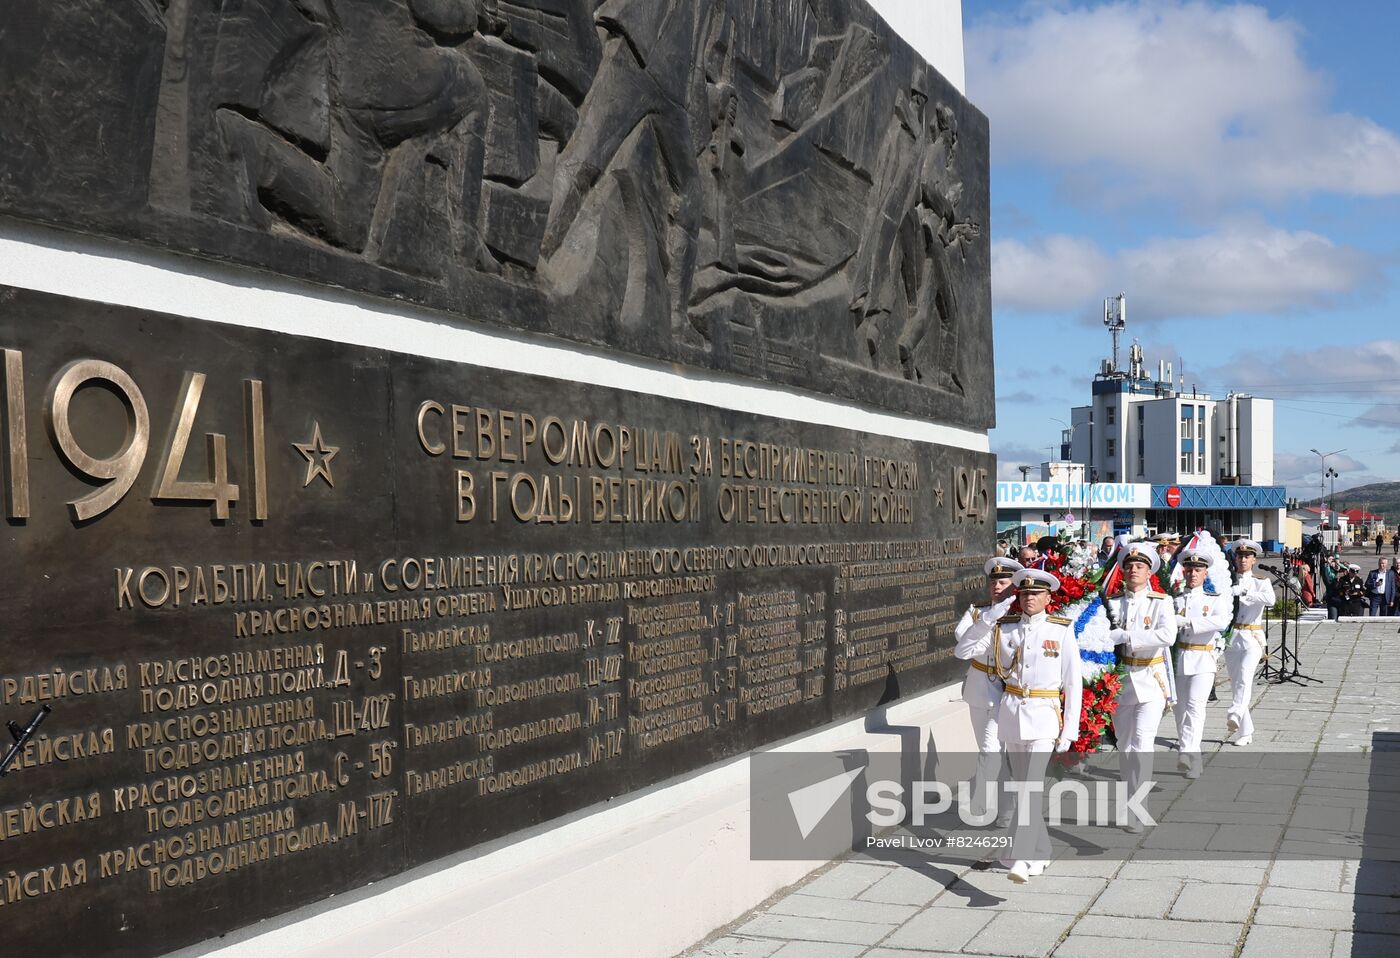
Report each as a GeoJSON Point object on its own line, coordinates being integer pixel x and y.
{"type": "Point", "coordinates": [1071, 590]}
{"type": "Point", "coordinates": [1099, 702]}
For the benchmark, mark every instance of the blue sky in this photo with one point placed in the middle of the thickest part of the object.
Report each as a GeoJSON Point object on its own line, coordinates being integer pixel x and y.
{"type": "Point", "coordinates": [1235, 170]}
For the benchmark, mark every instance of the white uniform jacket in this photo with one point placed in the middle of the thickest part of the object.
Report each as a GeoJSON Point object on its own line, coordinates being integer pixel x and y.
{"type": "Point", "coordinates": [1036, 654]}
{"type": "Point", "coordinates": [981, 689]}
{"type": "Point", "coordinates": [1256, 594]}
{"type": "Point", "coordinates": [1201, 615]}
{"type": "Point", "coordinates": [1146, 622]}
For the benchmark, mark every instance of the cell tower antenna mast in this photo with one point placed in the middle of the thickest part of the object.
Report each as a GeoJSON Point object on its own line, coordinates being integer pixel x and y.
{"type": "Point", "coordinates": [1115, 317]}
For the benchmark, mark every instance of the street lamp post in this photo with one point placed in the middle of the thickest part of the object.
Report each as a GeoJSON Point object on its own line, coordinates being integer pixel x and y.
{"type": "Point", "coordinates": [1332, 475]}
{"type": "Point", "coordinates": [1086, 471]}
{"type": "Point", "coordinates": [1322, 482]}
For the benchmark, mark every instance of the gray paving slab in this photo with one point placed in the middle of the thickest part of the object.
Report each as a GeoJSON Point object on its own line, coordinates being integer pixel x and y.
{"type": "Point", "coordinates": [932, 929]}
{"type": "Point", "coordinates": [1336, 920]}
{"type": "Point", "coordinates": [1161, 929]}
{"type": "Point", "coordinates": [1090, 946]}
{"type": "Point", "coordinates": [846, 880]}
{"type": "Point", "coordinates": [1042, 902]}
{"type": "Point", "coordinates": [1086, 867]}
{"type": "Point", "coordinates": [1210, 901]}
{"type": "Point", "coordinates": [908, 886]}
{"type": "Point", "coordinates": [813, 906]}
{"type": "Point", "coordinates": [800, 928]}
{"type": "Point", "coordinates": [739, 948]}
{"type": "Point", "coordinates": [1272, 941]}
{"type": "Point", "coordinates": [1020, 935]}
{"type": "Point", "coordinates": [817, 949]}
{"type": "Point", "coordinates": [1137, 898]}
{"type": "Point", "coordinates": [1238, 873]}
{"type": "Point", "coordinates": [1335, 900]}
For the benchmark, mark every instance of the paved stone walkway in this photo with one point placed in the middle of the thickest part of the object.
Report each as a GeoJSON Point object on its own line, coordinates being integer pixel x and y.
{"type": "Point", "coordinates": [930, 907]}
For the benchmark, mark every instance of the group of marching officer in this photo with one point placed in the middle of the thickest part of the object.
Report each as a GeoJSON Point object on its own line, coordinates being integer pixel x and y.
{"type": "Point", "coordinates": [1024, 686]}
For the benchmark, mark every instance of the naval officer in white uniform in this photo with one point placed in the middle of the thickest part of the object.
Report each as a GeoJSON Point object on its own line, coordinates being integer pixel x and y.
{"type": "Point", "coordinates": [1144, 627]}
{"type": "Point", "coordinates": [1253, 595]}
{"type": "Point", "coordinates": [1202, 614]}
{"type": "Point", "coordinates": [1037, 658]}
{"type": "Point", "coordinates": [982, 689]}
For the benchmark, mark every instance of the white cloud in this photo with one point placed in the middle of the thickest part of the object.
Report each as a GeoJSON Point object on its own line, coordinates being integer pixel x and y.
{"type": "Point", "coordinates": [1010, 458]}
{"type": "Point", "coordinates": [1054, 273]}
{"type": "Point", "coordinates": [1248, 268]}
{"type": "Point", "coordinates": [1379, 416]}
{"type": "Point", "coordinates": [1173, 98]}
{"type": "Point", "coordinates": [1313, 381]}
{"type": "Point", "coordinates": [1353, 369]}
{"type": "Point", "coordinates": [1301, 469]}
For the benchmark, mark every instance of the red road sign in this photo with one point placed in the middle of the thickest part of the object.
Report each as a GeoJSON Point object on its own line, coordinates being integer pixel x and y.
{"type": "Point", "coordinates": [1173, 496]}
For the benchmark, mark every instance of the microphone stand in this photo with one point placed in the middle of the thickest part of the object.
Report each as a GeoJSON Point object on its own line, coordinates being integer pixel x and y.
{"type": "Point", "coordinates": [1289, 665]}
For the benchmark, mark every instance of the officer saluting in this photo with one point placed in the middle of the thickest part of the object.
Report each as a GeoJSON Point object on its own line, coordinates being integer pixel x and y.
{"type": "Point", "coordinates": [982, 689]}
{"type": "Point", "coordinates": [1202, 614]}
{"type": "Point", "coordinates": [1144, 627]}
{"type": "Point", "coordinates": [1037, 658]}
{"type": "Point", "coordinates": [1253, 595]}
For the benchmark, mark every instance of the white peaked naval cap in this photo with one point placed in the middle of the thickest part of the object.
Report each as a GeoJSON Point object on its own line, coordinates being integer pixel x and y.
{"type": "Point", "coordinates": [1036, 580]}
{"type": "Point", "coordinates": [1002, 565]}
{"type": "Point", "coordinates": [1146, 551]}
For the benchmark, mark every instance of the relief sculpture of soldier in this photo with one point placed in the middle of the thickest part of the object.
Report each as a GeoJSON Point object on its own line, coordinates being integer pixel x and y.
{"type": "Point", "coordinates": [635, 137]}
{"type": "Point", "coordinates": [903, 274]}
{"type": "Point", "coordinates": [380, 85]}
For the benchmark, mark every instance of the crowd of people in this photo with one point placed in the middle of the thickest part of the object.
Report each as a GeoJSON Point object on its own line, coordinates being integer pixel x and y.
{"type": "Point", "coordinates": [1318, 577]}
{"type": "Point", "coordinates": [1024, 686]}
{"type": "Point", "coordinates": [1324, 578]}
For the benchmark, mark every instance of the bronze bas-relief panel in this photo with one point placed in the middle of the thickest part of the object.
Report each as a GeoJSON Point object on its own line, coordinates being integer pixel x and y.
{"type": "Point", "coordinates": [777, 188]}
{"type": "Point", "coordinates": [308, 615]}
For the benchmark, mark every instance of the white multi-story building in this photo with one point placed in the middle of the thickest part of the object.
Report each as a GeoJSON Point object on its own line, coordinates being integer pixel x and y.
{"type": "Point", "coordinates": [1210, 462]}
{"type": "Point", "coordinates": [1145, 431]}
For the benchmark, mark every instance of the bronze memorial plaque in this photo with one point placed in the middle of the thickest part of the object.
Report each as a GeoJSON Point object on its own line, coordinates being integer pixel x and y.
{"type": "Point", "coordinates": [308, 614]}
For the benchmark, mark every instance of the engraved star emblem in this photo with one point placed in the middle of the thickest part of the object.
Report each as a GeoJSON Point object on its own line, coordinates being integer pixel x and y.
{"type": "Point", "coordinates": [318, 457]}
{"type": "Point", "coordinates": [938, 493]}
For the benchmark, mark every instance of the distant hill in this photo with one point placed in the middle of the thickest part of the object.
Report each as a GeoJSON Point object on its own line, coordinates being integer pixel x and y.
{"type": "Point", "coordinates": [1382, 498]}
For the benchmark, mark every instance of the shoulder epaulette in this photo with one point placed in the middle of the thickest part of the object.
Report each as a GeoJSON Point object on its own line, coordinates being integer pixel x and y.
{"type": "Point", "coordinates": [981, 605]}
{"type": "Point", "coordinates": [1006, 619]}
{"type": "Point", "coordinates": [1209, 589]}
{"type": "Point", "coordinates": [1263, 577]}
{"type": "Point", "coordinates": [1057, 619]}
{"type": "Point", "coordinates": [1158, 595]}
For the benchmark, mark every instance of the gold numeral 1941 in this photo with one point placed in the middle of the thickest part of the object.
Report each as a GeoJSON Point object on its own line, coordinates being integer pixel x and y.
{"type": "Point", "coordinates": [116, 474]}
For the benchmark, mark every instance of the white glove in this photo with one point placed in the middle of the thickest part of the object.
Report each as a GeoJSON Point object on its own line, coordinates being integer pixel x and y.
{"type": "Point", "coordinates": [1117, 636]}
{"type": "Point", "coordinates": [1063, 744]}
{"type": "Point", "coordinates": [999, 609]}
{"type": "Point", "coordinates": [1240, 589]}
{"type": "Point", "coordinates": [1181, 604]}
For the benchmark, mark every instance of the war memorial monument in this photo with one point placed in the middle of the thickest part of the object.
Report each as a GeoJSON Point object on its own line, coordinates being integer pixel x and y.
{"type": "Point", "coordinates": [284, 614]}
